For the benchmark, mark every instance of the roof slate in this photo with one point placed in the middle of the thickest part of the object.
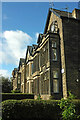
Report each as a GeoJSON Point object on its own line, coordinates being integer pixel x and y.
{"type": "Point", "coordinates": [29, 48]}
{"type": "Point", "coordinates": [22, 60]}
{"type": "Point", "coordinates": [35, 46]}
{"type": "Point", "coordinates": [63, 13]}
{"type": "Point", "coordinates": [59, 13]}
{"type": "Point", "coordinates": [15, 70]}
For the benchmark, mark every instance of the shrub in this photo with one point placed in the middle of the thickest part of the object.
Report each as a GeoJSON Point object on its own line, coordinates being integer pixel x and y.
{"type": "Point", "coordinates": [51, 97]}
{"type": "Point", "coordinates": [15, 91]}
{"type": "Point", "coordinates": [16, 96]}
{"type": "Point", "coordinates": [39, 97]}
{"type": "Point", "coordinates": [68, 107]}
{"type": "Point", "coordinates": [30, 110]}
{"type": "Point", "coordinates": [33, 109]}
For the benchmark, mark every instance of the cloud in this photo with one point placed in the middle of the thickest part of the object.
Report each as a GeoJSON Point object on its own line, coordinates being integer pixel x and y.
{"type": "Point", "coordinates": [14, 44]}
{"type": "Point", "coordinates": [4, 73]}
{"type": "Point", "coordinates": [0, 52]}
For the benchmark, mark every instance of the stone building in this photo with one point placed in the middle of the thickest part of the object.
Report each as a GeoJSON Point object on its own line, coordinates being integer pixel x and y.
{"type": "Point", "coordinates": [52, 67]}
{"type": "Point", "coordinates": [14, 79]}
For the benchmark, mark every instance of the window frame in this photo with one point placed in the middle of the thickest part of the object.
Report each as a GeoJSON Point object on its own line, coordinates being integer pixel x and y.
{"type": "Point", "coordinates": [54, 75]}
{"type": "Point", "coordinates": [55, 86]}
{"type": "Point", "coordinates": [57, 79]}
{"type": "Point", "coordinates": [54, 44]}
{"type": "Point", "coordinates": [54, 27]}
{"type": "Point", "coordinates": [54, 54]}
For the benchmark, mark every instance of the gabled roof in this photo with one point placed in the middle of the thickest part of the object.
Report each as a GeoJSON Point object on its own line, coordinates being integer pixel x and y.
{"type": "Point", "coordinates": [62, 13]}
{"type": "Point", "coordinates": [14, 71]}
{"type": "Point", "coordinates": [22, 60]}
{"type": "Point", "coordinates": [33, 47]}
{"type": "Point", "coordinates": [47, 21]}
{"type": "Point", "coordinates": [58, 13]}
{"type": "Point", "coordinates": [39, 38]}
{"type": "Point", "coordinates": [29, 48]}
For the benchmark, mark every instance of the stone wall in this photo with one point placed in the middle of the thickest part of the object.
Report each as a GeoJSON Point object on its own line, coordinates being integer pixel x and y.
{"type": "Point", "coordinates": [55, 65]}
{"type": "Point", "coordinates": [71, 35]}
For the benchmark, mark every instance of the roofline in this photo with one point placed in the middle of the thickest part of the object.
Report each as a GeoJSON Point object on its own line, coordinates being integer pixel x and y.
{"type": "Point", "coordinates": [39, 37]}
{"type": "Point", "coordinates": [27, 52]}
{"type": "Point", "coordinates": [52, 10]}
{"type": "Point", "coordinates": [70, 18]}
{"type": "Point", "coordinates": [47, 21]}
{"type": "Point", "coordinates": [48, 17]}
{"type": "Point", "coordinates": [22, 58]}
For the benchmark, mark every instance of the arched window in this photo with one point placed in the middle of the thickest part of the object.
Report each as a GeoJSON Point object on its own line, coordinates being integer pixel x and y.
{"type": "Point", "coordinates": [54, 27]}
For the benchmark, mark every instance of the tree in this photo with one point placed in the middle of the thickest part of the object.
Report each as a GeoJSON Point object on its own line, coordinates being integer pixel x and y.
{"type": "Point", "coordinates": [6, 84]}
{"type": "Point", "coordinates": [68, 108]}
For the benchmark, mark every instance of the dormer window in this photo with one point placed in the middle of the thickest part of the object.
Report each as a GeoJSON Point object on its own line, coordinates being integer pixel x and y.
{"type": "Point", "coordinates": [54, 26]}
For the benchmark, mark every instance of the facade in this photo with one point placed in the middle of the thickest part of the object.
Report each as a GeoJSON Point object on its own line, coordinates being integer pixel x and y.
{"type": "Point", "coordinates": [14, 78]}
{"type": "Point", "coordinates": [52, 67]}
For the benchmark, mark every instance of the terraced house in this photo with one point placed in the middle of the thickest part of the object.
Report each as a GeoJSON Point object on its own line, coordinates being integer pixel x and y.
{"type": "Point", "coordinates": [52, 67]}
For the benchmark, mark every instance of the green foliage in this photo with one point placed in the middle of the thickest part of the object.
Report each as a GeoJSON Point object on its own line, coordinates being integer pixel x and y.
{"type": "Point", "coordinates": [33, 109]}
{"type": "Point", "coordinates": [15, 91]}
{"type": "Point", "coordinates": [51, 97]}
{"type": "Point", "coordinates": [68, 108]}
{"type": "Point", "coordinates": [30, 110]}
{"type": "Point", "coordinates": [39, 97]}
{"type": "Point", "coordinates": [6, 84]}
{"type": "Point", "coordinates": [16, 96]}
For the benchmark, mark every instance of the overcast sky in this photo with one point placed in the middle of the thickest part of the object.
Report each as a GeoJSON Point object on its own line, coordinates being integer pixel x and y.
{"type": "Point", "coordinates": [21, 24]}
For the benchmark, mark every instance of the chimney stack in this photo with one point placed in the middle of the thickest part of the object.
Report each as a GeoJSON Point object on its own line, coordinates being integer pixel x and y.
{"type": "Point", "coordinates": [76, 13]}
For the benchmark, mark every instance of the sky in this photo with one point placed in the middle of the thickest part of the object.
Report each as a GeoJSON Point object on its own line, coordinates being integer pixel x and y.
{"type": "Point", "coordinates": [21, 24]}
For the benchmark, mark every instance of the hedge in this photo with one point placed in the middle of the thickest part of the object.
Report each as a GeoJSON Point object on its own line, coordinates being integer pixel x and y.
{"type": "Point", "coordinates": [33, 109]}
{"type": "Point", "coordinates": [30, 110]}
{"type": "Point", "coordinates": [16, 96]}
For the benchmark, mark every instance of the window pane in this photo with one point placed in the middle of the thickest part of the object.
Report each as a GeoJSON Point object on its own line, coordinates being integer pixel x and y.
{"type": "Point", "coordinates": [54, 44]}
{"type": "Point", "coordinates": [55, 86]}
{"type": "Point", "coordinates": [18, 80]}
{"type": "Point", "coordinates": [55, 74]}
{"type": "Point", "coordinates": [52, 27]}
{"type": "Point", "coordinates": [54, 55]}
